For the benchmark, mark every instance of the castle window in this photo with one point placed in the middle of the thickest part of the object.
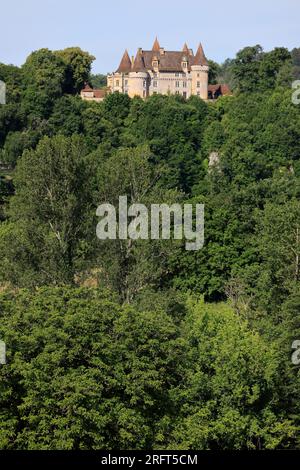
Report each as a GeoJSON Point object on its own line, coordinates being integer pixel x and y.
{"type": "Point", "coordinates": [198, 93]}
{"type": "Point", "coordinates": [117, 82]}
{"type": "Point", "coordinates": [126, 82]}
{"type": "Point", "coordinates": [198, 75]}
{"type": "Point", "coordinates": [184, 84]}
{"type": "Point", "coordinates": [177, 92]}
{"type": "Point", "coordinates": [155, 84]}
{"type": "Point", "coordinates": [184, 65]}
{"type": "Point", "coordinates": [177, 84]}
{"type": "Point", "coordinates": [177, 74]}
{"type": "Point", "coordinates": [145, 83]}
{"type": "Point", "coordinates": [198, 84]}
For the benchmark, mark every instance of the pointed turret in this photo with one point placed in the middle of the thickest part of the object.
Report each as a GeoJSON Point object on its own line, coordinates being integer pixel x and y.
{"type": "Point", "coordinates": [185, 48]}
{"type": "Point", "coordinates": [139, 65]}
{"type": "Point", "coordinates": [156, 45]}
{"type": "Point", "coordinates": [125, 64]}
{"type": "Point", "coordinates": [200, 58]}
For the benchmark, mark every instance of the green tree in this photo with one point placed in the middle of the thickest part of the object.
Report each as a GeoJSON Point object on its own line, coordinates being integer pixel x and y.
{"type": "Point", "coordinates": [41, 244]}
{"type": "Point", "coordinates": [44, 78]}
{"type": "Point", "coordinates": [129, 266]}
{"type": "Point", "coordinates": [272, 65]}
{"type": "Point", "coordinates": [82, 372]}
{"type": "Point", "coordinates": [246, 68]}
{"type": "Point", "coordinates": [98, 80]}
{"type": "Point", "coordinates": [214, 70]}
{"type": "Point", "coordinates": [67, 116]}
{"type": "Point", "coordinates": [78, 66]}
{"type": "Point", "coordinates": [228, 394]}
{"type": "Point", "coordinates": [12, 76]}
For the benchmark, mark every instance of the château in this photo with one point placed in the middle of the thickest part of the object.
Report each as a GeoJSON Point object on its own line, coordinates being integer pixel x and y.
{"type": "Point", "coordinates": [161, 71]}
{"type": "Point", "coordinates": [158, 71]}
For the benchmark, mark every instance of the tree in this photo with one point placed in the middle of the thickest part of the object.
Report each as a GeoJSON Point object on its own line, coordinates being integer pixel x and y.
{"type": "Point", "coordinates": [82, 372]}
{"type": "Point", "coordinates": [173, 130]}
{"type": "Point", "coordinates": [15, 144]}
{"type": "Point", "coordinates": [255, 70]}
{"type": "Point", "coordinates": [225, 73]}
{"type": "Point", "coordinates": [41, 244]}
{"type": "Point", "coordinates": [214, 70]}
{"type": "Point", "coordinates": [78, 66]}
{"type": "Point", "coordinates": [129, 266]}
{"type": "Point", "coordinates": [246, 68]}
{"type": "Point", "coordinates": [6, 190]}
{"type": "Point", "coordinates": [44, 78]}
{"type": "Point", "coordinates": [278, 239]}
{"type": "Point", "coordinates": [67, 116]}
{"type": "Point", "coordinates": [11, 119]}
{"type": "Point", "coordinates": [12, 76]}
{"type": "Point", "coordinates": [272, 65]}
{"type": "Point", "coordinates": [295, 53]}
{"type": "Point", "coordinates": [98, 80]}
{"type": "Point", "coordinates": [228, 396]}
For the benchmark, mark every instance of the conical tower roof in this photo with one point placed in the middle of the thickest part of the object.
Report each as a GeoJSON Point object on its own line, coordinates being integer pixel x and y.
{"type": "Point", "coordinates": [200, 58]}
{"type": "Point", "coordinates": [185, 48]}
{"type": "Point", "coordinates": [156, 45]}
{"type": "Point", "coordinates": [139, 65]}
{"type": "Point", "coordinates": [125, 64]}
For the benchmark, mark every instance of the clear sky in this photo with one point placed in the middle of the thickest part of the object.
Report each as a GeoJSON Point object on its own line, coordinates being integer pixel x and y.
{"type": "Point", "coordinates": [106, 28]}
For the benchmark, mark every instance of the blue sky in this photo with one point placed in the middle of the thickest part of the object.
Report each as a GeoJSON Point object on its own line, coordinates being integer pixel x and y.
{"type": "Point", "coordinates": [106, 28]}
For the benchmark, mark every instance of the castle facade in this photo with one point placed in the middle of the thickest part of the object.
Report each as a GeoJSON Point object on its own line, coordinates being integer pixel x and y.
{"type": "Point", "coordinates": [161, 71]}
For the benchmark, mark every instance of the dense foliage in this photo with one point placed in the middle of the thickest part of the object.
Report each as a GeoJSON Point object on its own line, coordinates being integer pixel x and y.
{"type": "Point", "coordinates": [136, 343]}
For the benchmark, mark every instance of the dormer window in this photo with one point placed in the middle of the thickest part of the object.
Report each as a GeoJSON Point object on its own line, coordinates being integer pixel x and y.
{"type": "Point", "coordinates": [155, 62]}
{"type": "Point", "coordinates": [184, 62]}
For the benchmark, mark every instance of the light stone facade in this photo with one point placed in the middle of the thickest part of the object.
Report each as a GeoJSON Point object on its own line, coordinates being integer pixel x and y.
{"type": "Point", "coordinates": [164, 72]}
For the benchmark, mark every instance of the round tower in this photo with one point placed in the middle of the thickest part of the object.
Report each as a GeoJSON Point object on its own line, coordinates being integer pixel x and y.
{"type": "Point", "coordinates": [199, 72]}
{"type": "Point", "coordinates": [138, 77]}
{"type": "Point", "coordinates": [118, 81]}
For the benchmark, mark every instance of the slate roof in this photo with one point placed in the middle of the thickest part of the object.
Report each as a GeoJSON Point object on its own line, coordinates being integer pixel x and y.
{"type": "Point", "coordinates": [125, 64]}
{"type": "Point", "coordinates": [168, 61]}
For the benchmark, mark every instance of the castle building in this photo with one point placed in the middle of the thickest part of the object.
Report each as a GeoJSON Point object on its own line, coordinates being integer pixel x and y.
{"type": "Point", "coordinates": [161, 71]}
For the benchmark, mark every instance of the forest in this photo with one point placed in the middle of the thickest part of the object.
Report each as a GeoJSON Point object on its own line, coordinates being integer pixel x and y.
{"type": "Point", "coordinates": [145, 345]}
